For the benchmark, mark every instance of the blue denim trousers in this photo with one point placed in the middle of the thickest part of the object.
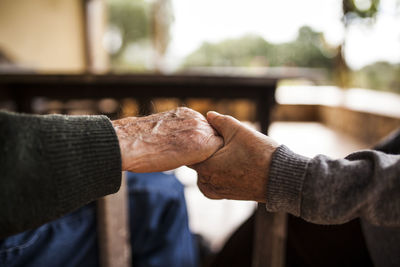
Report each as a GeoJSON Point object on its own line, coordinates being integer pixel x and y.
{"type": "Point", "coordinates": [158, 224]}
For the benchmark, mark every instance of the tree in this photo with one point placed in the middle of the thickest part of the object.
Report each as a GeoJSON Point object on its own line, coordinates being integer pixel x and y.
{"type": "Point", "coordinates": [353, 10]}
{"type": "Point", "coordinates": [379, 76]}
{"type": "Point", "coordinates": [308, 50]}
{"type": "Point", "coordinates": [131, 17]}
{"type": "Point", "coordinates": [138, 21]}
{"type": "Point", "coordinates": [162, 19]}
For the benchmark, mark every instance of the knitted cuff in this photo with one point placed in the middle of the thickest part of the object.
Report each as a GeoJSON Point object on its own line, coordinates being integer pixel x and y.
{"type": "Point", "coordinates": [285, 182]}
{"type": "Point", "coordinates": [86, 159]}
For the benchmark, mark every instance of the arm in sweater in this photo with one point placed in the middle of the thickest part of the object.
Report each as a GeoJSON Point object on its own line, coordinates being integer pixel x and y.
{"type": "Point", "coordinates": [50, 165]}
{"type": "Point", "coordinates": [53, 164]}
{"type": "Point", "coordinates": [391, 144]}
{"type": "Point", "coordinates": [321, 190]}
{"type": "Point", "coordinates": [251, 166]}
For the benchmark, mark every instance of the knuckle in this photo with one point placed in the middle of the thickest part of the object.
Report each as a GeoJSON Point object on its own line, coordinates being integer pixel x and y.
{"type": "Point", "coordinates": [207, 192]}
{"type": "Point", "coordinates": [207, 189]}
{"type": "Point", "coordinates": [183, 110]}
{"type": "Point", "coordinates": [196, 123]}
{"type": "Point", "coordinates": [202, 186]}
{"type": "Point", "coordinates": [204, 178]}
{"type": "Point", "coordinates": [212, 195]}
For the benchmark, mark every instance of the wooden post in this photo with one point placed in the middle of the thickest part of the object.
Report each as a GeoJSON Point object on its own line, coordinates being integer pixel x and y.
{"type": "Point", "coordinates": [113, 229]}
{"type": "Point", "coordinates": [145, 106]}
{"type": "Point", "coordinates": [269, 238]}
{"type": "Point", "coordinates": [270, 228]}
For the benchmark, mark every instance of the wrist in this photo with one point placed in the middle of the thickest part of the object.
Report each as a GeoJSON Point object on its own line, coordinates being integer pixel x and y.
{"type": "Point", "coordinates": [121, 135]}
{"type": "Point", "coordinates": [285, 182]}
{"type": "Point", "coordinates": [264, 169]}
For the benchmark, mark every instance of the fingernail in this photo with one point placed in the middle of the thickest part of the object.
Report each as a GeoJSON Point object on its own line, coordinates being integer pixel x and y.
{"type": "Point", "coordinates": [212, 114]}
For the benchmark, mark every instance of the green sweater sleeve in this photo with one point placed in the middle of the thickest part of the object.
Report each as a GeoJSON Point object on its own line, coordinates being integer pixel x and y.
{"type": "Point", "coordinates": [51, 165]}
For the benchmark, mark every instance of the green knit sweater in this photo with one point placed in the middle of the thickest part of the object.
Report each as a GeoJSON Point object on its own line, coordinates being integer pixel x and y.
{"type": "Point", "coordinates": [51, 165]}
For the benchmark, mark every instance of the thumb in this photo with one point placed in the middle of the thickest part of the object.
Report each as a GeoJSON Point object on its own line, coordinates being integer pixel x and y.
{"type": "Point", "coordinates": [225, 125]}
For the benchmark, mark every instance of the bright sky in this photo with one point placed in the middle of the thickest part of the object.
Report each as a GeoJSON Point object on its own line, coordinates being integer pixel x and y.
{"type": "Point", "coordinates": [278, 21]}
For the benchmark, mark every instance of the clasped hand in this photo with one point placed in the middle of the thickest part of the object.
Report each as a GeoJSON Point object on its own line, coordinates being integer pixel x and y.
{"type": "Point", "coordinates": [231, 160]}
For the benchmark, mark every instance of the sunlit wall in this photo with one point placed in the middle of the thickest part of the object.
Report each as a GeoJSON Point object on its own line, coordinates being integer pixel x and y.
{"type": "Point", "coordinates": [43, 35]}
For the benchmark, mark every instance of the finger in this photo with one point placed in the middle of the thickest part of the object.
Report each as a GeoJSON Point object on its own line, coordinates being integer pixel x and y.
{"type": "Point", "coordinates": [225, 125]}
{"type": "Point", "coordinates": [206, 190]}
{"type": "Point", "coordinates": [198, 167]}
{"type": "Point", "coordinates": [215, 143]}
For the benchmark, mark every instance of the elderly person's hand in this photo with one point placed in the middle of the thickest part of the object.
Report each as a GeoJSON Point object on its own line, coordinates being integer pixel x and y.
{"type": "Point", "coordinates": [165, 140]}
{"type": "Point", "coordinates": [239, 170]}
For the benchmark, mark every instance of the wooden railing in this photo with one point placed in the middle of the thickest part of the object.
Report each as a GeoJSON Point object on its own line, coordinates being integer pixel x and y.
{"type": "Point", "coordinates": [270, 229]}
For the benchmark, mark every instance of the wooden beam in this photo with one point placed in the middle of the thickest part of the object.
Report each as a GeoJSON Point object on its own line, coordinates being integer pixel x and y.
{"type": "Point", "coordinates": [113, 228]}
{"type": "Point", "coordinates": [269, 238]}
{"type": "Point", "coordinates": [270, 228]}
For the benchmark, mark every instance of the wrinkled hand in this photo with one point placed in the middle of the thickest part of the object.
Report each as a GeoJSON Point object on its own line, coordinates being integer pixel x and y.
{"type": "Point", "coordinates": [165, 140]}
{"type": "Point", "coordinates": [239, 170]}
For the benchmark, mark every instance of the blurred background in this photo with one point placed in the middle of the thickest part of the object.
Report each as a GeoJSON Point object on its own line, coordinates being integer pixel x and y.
{"type": "Point", "coordinates": [337, 62]}
{"type": "Point", "coordinates": [351, 43]}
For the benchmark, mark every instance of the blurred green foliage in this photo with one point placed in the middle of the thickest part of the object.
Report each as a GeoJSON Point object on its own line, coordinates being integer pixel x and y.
{"type": "Point", "coordinates": [352, 10]}
{"type": "Point", "coordinates": [145, 33]}
{"type": "Point", "coordinates": [131, 17]}
{"type": "Point", "coordinates": [380, 76]}
{"type": "Point", "coordinates": [308, 50]}
{"type": "Point", "coordinates": [134, 20]}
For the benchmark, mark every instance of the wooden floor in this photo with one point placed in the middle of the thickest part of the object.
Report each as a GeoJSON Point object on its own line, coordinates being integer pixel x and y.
{"type": "Point", "coordinates": [315, 139]}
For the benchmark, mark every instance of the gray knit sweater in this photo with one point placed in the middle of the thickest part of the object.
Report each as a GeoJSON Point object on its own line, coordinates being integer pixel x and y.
{"type": "Point", "coordinates": [51, 165]}
{"type": "Point", "coordinates": [321, 190]}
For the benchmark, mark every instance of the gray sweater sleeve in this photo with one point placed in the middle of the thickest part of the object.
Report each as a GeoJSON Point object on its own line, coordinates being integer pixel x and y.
{"type": "Point", "coordinates": [51, 165]}
{"type": "Point", "coordinates": [321, 190]}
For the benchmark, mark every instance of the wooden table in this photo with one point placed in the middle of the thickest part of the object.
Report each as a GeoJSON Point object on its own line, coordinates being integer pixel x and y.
{"type": "Point", "coordinates": [23, 88]}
